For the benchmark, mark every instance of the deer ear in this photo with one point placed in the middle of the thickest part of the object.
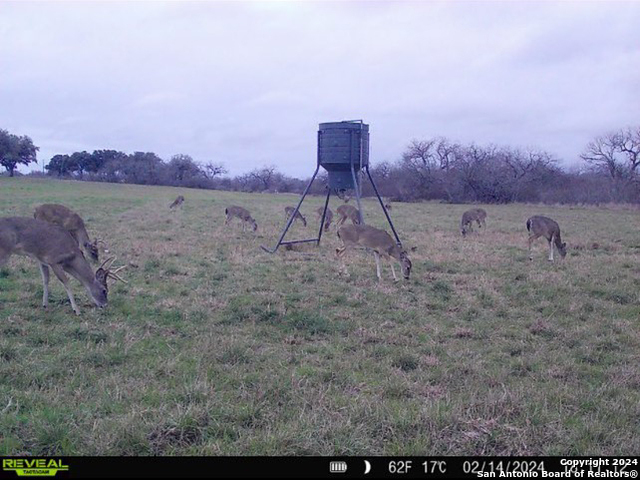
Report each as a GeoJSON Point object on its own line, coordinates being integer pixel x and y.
{"type": "Point", "coordinates": [101, 276]}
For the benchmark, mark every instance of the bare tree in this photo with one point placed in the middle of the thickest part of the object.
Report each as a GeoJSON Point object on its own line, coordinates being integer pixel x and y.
{"type": "Point", "coordinates": [603, 153]}
{"type": "Point", "coordinates": [617, 154]}
{"type": "Point", "coordinates": [212, 170]}
{"type": "Point", "coordinates": [420, 161]}
{"type": "Point", "coordinates": [447, 154]}
{"type": "Point", "coordinates": [630, 147]}
{"type": "Point", "coordinates": [524, 167]}
{"type": "Point", "coordinates": [264, 176]}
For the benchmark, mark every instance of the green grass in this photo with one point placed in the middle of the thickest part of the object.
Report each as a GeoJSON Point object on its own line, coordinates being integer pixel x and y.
{"type": "Point", "coordinates": [218, 348]}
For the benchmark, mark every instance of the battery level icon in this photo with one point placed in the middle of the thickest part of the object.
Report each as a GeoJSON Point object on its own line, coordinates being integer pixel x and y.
{"type": "Point", "coordinates": [337, 467]}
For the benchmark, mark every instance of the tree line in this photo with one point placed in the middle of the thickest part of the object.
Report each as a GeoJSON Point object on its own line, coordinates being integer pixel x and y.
{"type": "Point", "coordinates": [147, 168]}
{"type": "Point", "coordinates": [433, 169]}
{"type": "Point", "coordinates": [439, 168]}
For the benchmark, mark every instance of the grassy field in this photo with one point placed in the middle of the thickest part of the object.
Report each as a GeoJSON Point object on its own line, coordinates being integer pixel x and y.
{"type": "Point", "coordinates": [218, 348]}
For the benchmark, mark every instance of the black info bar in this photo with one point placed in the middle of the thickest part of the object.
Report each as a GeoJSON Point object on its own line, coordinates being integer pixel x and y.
{"type": "Point", "coordinates": [622, 467]}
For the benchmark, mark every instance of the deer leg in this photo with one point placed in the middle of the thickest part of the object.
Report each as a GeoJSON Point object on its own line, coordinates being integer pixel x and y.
{"type": "Point", "coordinates": [531, 239]}
{"type": "Point", "coordinates": [340, 254]}
{"type": "Point", "coordinates": [377, 257]}
{"type": "Point", "coordinates": [44, 270]}
{"type": "Point", "coordinates": [393, 270]}
{"type": "Point", "coordinates": [551, 249]}
{"type": "Point", "coordinates": [57, 269]}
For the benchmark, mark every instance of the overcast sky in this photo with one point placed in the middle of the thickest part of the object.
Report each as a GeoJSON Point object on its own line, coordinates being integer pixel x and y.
{"type": "Point", "coordinates": [247, 83]}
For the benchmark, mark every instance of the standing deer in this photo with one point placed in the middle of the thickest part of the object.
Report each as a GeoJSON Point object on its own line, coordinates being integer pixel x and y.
{"type": "Point", "coordinates": [241, 213]}
{"type": "Point", "coordinates": [350, 212]}
{"type": "Point", "coordinates": [53, 247]}
{"type": "Point", "coordinates": [288, 211]}
{"type": "Point", "coordinates": [177, 202]}
{"type": "Point", "coordinates": [70, 221]}
{"type": "Point", "coordinates": [328, 218]}
{"type": "Point", "coordinates": [477, 215]}
{"type": "Point", "coordinates": [539, 226]}
{"type": "Point", "coordinates": [379, 241]}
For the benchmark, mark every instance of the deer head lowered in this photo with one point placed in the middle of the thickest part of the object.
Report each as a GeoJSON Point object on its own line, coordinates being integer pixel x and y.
{"type": "Point", "coordinates": [54, 247]}
{"type": "Point", "coordinates": [539, 226]}
{"type": "Point", "coordinates": [379, 241]}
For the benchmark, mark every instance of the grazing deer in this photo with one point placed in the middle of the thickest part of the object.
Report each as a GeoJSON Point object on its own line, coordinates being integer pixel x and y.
{"type": "Point", "coordinates": [70, 221]}
{"type": "Point", "coordinates": [350, 212]}
{"type": "Point", "coordinates": [288, 211]}
{"type": "Point", "coordinates": [328, 218]}
{"type": "Point", "coordinates": [477, 215]}
{"type": "Point", "coordinates": [243, 214]}
{"type": "Point", "coordinates": [53, 247]}
{"type": "Point", "coordinates": [539, 226]}
{"type": "Point", "coordinates": [379, 241]}
{"type": "Point", "coordinates": [177, 202]}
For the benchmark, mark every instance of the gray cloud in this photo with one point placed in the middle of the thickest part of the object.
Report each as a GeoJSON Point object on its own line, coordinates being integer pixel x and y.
{"type": "Point", "coordinates": [247, 83]}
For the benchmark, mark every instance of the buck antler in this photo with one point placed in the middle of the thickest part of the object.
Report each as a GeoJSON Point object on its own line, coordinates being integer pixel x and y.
{"type": "Point", "coordinates": [99, 241]}
{"type": "Point", "coordinates": [108, 273]}
{"type": "Point", "coordinates": [115, 275]}
{"type": "Point", "coordinates": [56, 250]}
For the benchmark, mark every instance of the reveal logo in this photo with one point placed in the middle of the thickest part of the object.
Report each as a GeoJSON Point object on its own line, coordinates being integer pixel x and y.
{"type": "Point", "coordinates": [34, 467]}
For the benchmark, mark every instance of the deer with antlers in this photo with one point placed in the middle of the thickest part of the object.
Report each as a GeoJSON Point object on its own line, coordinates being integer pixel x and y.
{"type": "Point", "coordinates": [54, 247]}
{"type": "Point", "coordinates": [70, 221]}
{"type": "Point", "coordinates": [379, 241]}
